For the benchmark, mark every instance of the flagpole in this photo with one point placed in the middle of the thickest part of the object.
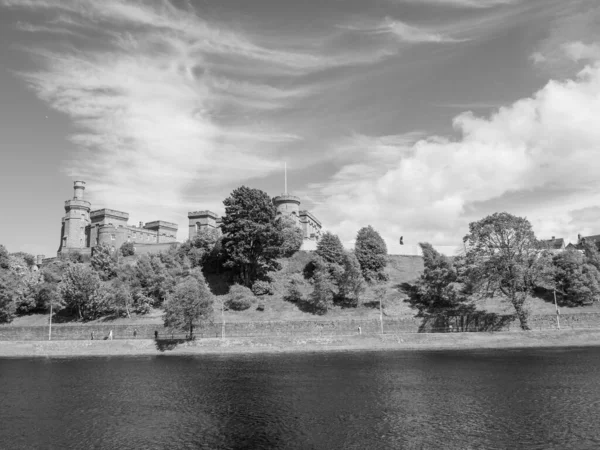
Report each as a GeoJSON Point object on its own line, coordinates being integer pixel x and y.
{"type": "Point", "coordinates": [285, 171]}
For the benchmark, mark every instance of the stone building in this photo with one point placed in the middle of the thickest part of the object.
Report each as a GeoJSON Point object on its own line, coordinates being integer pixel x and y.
{"type": "Point", "coordinates": [287, 205]}
{"type": "Point", "coordinates": [83, 229]}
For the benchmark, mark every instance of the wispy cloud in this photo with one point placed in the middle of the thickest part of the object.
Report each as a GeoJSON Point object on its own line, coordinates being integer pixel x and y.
{"type": "Point", "coordinates": [477, 4]}
{"type": "Point", "coordinates": [151, 107]}
{"type": "Point", "coordinates": [400, 30]}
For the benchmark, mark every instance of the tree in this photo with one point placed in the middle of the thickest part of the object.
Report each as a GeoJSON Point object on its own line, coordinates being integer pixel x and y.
{"type": "Point", "coordinates": [189, 305]}
{"type": "Point", "coordinates": [291, 235]}
{"type": "Point", "coordinates": [103, 262]}
{"type": "Point", "coordinates": [351, 283]}
{"type": "Point", "coordinates": [438, 288]}
{"type": "Point", "coordinates": [504, 257]}
{"type": "Point", "coordinates": [330, 248]}
{"type": "Point", "coordinates": [199, 248]}
{"type": "Point", "coordinates": [251, 238]}
{"type": "Point", "coordinates": [4, 261]}
{"type": "Point", "coordinates": [153, 279]}
{"type": "Point", "coordinates": [80, 288]}
{"type": "Point", "coordinates": [127, 249]}
{"type": "Point", "coordinates": [324, 291]}
{"type": "Point", "coordinates": [8, 295]}
{"type": "Point", "coordinates": [576, 279]}
{"type": "Point", "coordinates": [371, 251]}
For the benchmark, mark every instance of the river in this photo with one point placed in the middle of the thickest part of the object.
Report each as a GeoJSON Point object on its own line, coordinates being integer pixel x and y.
{"type": "Point", "coordinates": [492, 399]}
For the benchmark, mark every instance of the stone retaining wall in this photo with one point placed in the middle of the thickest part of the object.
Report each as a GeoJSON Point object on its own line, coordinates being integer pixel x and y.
{"type": "Point", "coordinates": [302, 328]}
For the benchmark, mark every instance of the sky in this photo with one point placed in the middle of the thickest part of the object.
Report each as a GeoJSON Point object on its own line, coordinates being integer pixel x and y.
{"type": "Point", "coordinates": [414, 116]}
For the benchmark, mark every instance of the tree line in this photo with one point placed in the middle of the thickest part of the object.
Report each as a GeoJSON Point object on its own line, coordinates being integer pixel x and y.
{"type": "Point", "coordinates": [504, 259]}
{"type": "Point", "coordinates": [246, 250]}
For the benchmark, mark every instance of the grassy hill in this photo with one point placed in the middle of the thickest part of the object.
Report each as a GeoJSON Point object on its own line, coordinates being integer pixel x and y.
{"type": "Point", "coordinates": [400, 269]}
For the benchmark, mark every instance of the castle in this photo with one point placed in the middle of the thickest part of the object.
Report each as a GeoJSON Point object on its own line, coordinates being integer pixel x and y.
{"type": "Point", "coordinates": [287, 205]}
{"type": "Point", "coordinates": [83, 229]}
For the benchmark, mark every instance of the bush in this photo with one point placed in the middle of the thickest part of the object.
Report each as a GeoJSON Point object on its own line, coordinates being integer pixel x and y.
{"type": "Point", "coordinates": [239, 298]}
{"type": "Point", "coordinates": [295, 289]}
{"type": "Point", "coordinates": [261, 287]}
{"type": "Point", "coordinates": [127, 249]}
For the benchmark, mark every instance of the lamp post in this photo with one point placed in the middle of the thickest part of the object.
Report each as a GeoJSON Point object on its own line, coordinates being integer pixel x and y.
{"type": "Point", "coordinates": [557, 312]}
{"type": "Point", "coordinates": [222, 319]}
{"type": "Point", "coordinates": [50, 326]}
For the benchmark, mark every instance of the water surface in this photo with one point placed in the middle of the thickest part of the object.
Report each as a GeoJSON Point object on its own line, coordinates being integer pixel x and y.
{"type": "Point", "coordinates": [493, 399]}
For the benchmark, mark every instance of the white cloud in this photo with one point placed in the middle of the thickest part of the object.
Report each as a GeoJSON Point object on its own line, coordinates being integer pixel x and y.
{"type": "Point", "coordinates": [578, 51]}
{"type": "Point", "coordinates": [424, 191]}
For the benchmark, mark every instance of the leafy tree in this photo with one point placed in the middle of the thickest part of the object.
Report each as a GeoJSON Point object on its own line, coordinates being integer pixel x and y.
{"type": "Point", "coordinates": [330, 248]}
{"type": "Point", "coordinates": [251, 237]}
{"type": "Point", "coordinates": [199, 248]}
{"type": "Point", "coordinates": [351, 283]}
{"type": "Point", "coordinates": [291, 235]}
{"type": "Point", "coordinates": [49, 294]}
{"type": "Point", "coordinates": [592, 255]}
{"type": "Point", "coordinates": [371, 251]}
{"type": "Point", "coordinates": [80, 288]}
{"type": "Point", "coordinates": [127, 249]}
{"type": "Point", "coordinates": [103, 262]}
{"type": "Point", "coordinates": [504, 257]}
{"type": "Point", "coordinates": [438, 288]}
{"type": "Point", "coordinates": [324, 291]}
{"type": "Point", "coordinates": [4, 261]}
{"type": "Point", "coordinates": [576, 279]}
{"type": "Point", "coordinates": [189, 305]}
{"type": "Point", "coordinates": [153, 279]}
{"type": "Point", "coordinates": [8, 295]}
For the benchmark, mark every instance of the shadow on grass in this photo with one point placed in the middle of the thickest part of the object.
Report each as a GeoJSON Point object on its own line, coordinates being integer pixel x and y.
{"type": "Point", "coordinates": [219, 282]}
{"type": "Point", "coordinates": [457, 316]}
{"type": "Point", "coordinates": [169, 344]}
{"type": "Point", "coordinates": [547, 295]}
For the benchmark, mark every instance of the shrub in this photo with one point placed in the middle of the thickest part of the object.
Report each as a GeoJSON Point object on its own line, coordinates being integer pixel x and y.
{"type": "Point", "coordinates": [141, 303]}
{"type": "Point", "coordinates": [295, 289]}
{"type": "Point", "coordinates": [239, 298]}
{"type": "Point", "coordinates": [127, 249]}
{"type": "Point", "coordinates": [261, 287]}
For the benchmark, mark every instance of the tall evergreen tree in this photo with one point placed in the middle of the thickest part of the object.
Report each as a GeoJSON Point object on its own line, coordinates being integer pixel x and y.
{"type": "Point", "coordinates": [330, 248]}
{"type": "Point", "coordinates": [251, 237]}
{"type": "Point", "coordinates": [371, 252]}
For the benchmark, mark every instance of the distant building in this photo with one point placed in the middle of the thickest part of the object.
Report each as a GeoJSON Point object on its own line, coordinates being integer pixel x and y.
{"type": "Point", "coordinates": [582, 240]}
{"type": "Point", "coordinates": [554, 245]}
{"type": "Point", "coordinates": [82, 229]}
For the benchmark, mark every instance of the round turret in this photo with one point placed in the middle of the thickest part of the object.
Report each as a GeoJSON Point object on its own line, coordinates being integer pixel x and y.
{"type": "Point", "coordinates": [288, 205]}
{"type": "Point", "coordinates": [78, 188]}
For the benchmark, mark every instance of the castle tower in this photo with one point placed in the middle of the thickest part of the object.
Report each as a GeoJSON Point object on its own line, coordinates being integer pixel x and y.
{"type": "Point", "coordinates": [202, 220]}
{"type": "Point", "coordinates": [286, 204]}
{"type": "Point", "coordinates": [74, 233]}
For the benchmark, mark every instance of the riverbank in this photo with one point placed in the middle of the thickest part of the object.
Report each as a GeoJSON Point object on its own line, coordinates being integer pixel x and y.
{"type": "Point", "coordinates": [408, 341]}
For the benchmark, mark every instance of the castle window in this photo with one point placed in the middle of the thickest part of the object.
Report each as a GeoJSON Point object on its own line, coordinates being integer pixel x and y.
{"type": "Point", "coordinates": [112, 237]}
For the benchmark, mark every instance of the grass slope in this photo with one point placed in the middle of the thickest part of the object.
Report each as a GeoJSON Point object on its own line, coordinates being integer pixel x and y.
{"type": "Point", "coordinates": [400, 269]}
